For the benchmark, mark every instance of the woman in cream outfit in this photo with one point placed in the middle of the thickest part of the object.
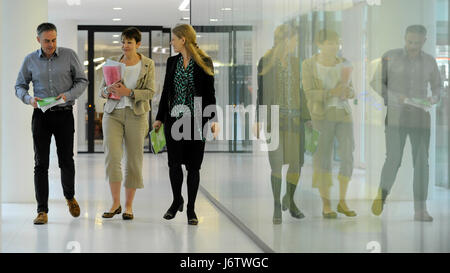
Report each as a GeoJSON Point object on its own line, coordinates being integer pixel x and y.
{"type": "Point", "coordinates": [125, 122]}
{"type": "Point", "coordinates": [327, 91]}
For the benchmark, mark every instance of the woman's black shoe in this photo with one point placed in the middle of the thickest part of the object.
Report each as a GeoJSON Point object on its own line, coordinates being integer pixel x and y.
{"type": "Point", "coordinates": [293, 210]}
{"type": "Point", "coordinates": [111, 214]}
{"type": "Point", "coordinates": [172, 211]}
{"type": "Point", "coordinates": [192, 218]}
{"type": "Point", "coordinates": [127, 216]}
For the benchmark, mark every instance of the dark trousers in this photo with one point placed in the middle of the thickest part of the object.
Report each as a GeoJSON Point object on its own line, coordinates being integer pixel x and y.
{"type": "Point", "coordinates": [419, 137]}
{"type": "Point", "coordinates": [60, 124]}
{"type": "Point", "coordinates": [187, 152]}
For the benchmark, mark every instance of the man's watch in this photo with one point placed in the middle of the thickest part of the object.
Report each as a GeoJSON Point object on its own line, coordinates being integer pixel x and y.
{"type": "Point", "coordinates": [131, 93]}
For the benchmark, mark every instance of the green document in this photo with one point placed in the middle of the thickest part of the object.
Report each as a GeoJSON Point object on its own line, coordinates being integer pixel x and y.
{"type": "Point", "coordinates": [46, 101]}
{"type": "Point", "coordinates": [423, 102]}
{"type": "Point", "coordinates": [158, 139]}
{"type": "Point", "coordinates": [49, 102]}
{"type": "Point", "coordinates": [311, 140]}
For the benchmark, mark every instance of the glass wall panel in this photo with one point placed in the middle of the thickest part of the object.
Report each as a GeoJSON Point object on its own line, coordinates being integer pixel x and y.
{"type": "Point", "coordinates": [442, 110]}
{"type": "Point", "coordinates": [160, 53]}
{"type": "Point", "coordinates": [82, 134]}
{"type": "Point", "coordinates": [353, 148]}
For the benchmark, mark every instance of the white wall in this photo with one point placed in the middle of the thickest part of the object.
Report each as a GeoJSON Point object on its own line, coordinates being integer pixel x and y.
{"type": "Point", "coordinates": [16, 141]}
{"type": "Point", "coordinates": [1, 124]}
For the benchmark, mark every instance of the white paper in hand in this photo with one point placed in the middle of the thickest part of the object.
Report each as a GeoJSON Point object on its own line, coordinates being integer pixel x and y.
{"type": "Point", "coordinates": [419, 103]}
{"type": "Point", "coordinates": [48, 103]}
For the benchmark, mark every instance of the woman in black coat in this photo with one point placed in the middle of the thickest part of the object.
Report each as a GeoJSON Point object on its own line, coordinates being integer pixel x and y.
{"type": "Point", "coordinates": [188, 90]}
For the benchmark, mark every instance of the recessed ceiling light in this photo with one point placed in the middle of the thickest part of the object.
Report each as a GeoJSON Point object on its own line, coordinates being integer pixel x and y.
{"type": "Point", "coordinates": [226, 9]}
{"type": "Point", "coordinates": [118, 8]}
{"type": "Point", "coordinates": [116, 35]}
{"type": "Point", "coordinates": [115, 42]}
{"type": "Point", "coordinates": [213, 20]}
{"type": "Point", "coordinates": [117, 19]}
{"type": "Point", "coordinates": [73, 2]}
{"type": "Point", "coordinates": [99, 66]}
{"type": "Point", "coordinates": [185, 18]}
{"type": "Point", "coordinates": [184, 5]}
{"type": "Point", "coordinates": [99, 59]}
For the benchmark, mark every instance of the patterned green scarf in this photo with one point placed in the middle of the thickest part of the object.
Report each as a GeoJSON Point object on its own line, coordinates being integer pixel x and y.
{"type": "Point", "coordinates": [184, 87]}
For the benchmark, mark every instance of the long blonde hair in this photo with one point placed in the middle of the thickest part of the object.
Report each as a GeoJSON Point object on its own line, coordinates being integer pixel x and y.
{"type": "Point", "coordinates": [278, 52]}
{"type": "Point", "coordinates": [188, 33]}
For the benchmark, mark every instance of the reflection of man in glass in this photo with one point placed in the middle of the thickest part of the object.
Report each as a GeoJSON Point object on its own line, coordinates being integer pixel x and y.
{"type": "Point", "coordinates": [405, 75]}
{"type": "Point", "coordinates": [279, 84]}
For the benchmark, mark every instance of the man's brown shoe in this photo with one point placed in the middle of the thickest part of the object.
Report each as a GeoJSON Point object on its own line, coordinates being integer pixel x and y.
{"type": "Point", "coordinates": [74, 208]}
{"type": "Point", "coordinates": [41, 219]}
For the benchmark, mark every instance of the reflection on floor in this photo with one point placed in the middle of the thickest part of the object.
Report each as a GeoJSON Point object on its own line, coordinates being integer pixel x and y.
{"type": "Point", "coordinates": [148, 232]}
{"type": "Point", "coordinates": [241, 183]}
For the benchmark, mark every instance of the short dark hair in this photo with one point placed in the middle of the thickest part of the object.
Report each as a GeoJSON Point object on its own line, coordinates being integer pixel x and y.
{"type": "Point", "coordinates": [418, 29]}
{"type": "Point", "coordinates": [132, 33]}
{"type": "Point", "coordinates": [45, 27]}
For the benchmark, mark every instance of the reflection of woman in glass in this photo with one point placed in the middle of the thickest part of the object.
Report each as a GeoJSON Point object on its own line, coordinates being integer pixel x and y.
{"type": "Point", "coordinates": [189, 75]}
{"type": "Point", "coordinates": [326, 80]}
{"type": "Point", "coordinates": [279, 84]}
{"type": "Point", "coordinates": [125, 122]}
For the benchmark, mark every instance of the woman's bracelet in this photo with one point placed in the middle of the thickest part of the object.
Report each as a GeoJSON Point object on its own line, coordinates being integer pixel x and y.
{"type": "Point", "coordinates": [105, 91]}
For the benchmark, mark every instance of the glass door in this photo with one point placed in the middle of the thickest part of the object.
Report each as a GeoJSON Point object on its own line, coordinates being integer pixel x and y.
{"type": "Point", "coordinates": [160, 51]}
{"type": "Point", "coordinates": [217, 46]}
{"type": "Point", "coordinates": [242, 89]}
{"type": "Point", "coordinates": [233, 82]}
{"type": "Point", "coordinates": [82, 117]}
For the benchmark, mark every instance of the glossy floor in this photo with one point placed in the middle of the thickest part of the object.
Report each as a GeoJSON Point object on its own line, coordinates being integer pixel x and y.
{"type": "Point", "coordinates": [148, 232]}
{"type": "Point", "coordinates": [241, 183]}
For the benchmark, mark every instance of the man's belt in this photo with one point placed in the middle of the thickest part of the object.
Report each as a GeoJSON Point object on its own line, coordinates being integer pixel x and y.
{"type": "Point", "coordinates": [61, 108]}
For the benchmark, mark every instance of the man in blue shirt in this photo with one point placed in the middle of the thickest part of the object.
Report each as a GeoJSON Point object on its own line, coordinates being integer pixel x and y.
{"type": "Point", "coordinates": [54, 72]}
